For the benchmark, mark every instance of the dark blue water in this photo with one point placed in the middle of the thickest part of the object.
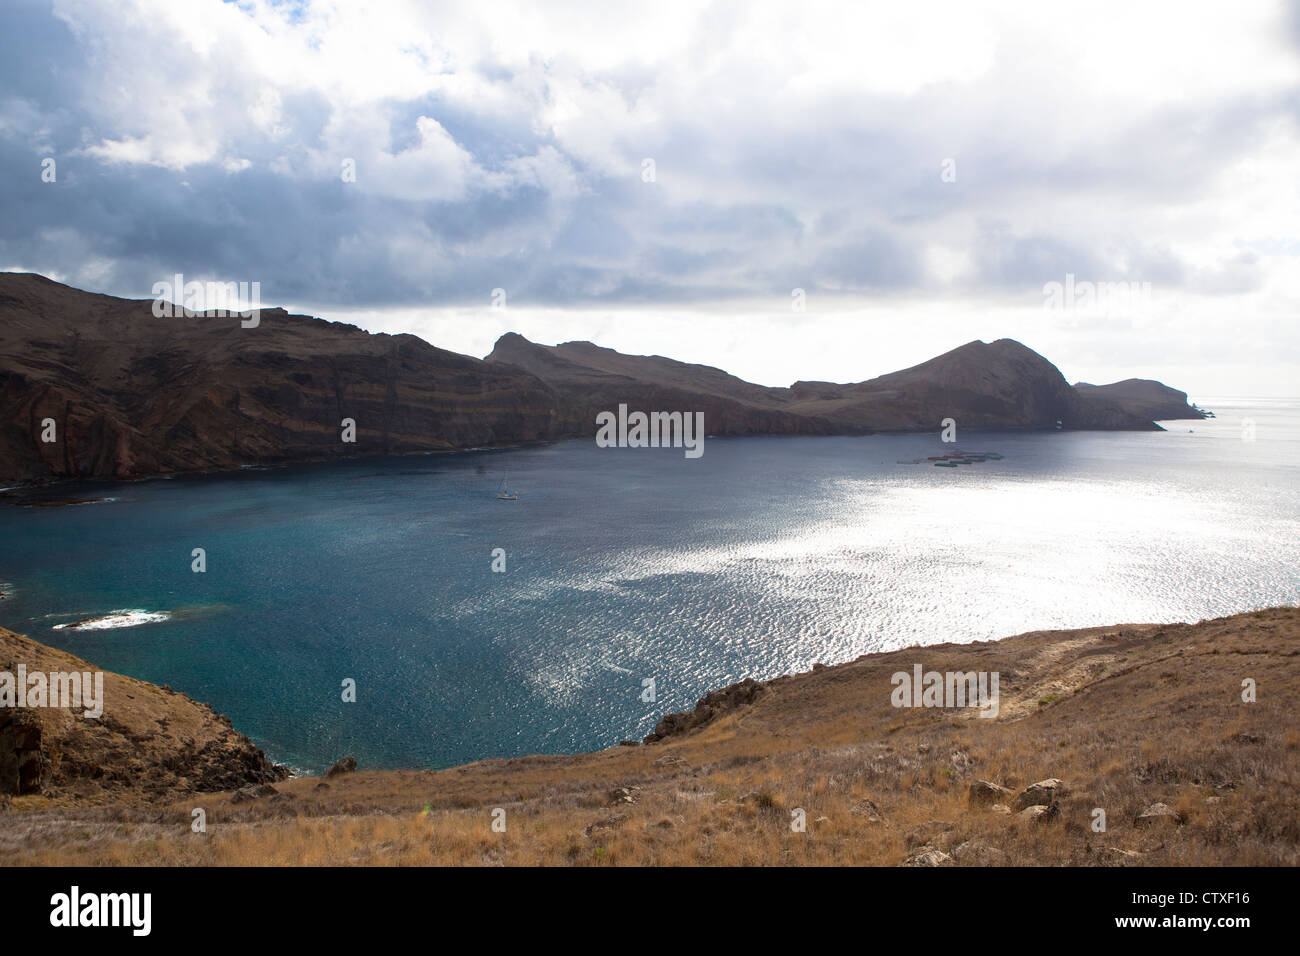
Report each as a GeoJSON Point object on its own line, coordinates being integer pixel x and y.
{"type": "Point", "coordinates": [622, 565]}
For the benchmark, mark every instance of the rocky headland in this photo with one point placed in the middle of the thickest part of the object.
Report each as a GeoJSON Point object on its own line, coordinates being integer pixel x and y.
{"type": "Point", "coordinates": [121, 393]}
{"type": "Point", "coordinates": [150, 743]}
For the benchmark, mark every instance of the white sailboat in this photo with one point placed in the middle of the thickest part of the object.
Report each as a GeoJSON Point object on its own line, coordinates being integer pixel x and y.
{"type": "Point", "coordinates": [505, 494]}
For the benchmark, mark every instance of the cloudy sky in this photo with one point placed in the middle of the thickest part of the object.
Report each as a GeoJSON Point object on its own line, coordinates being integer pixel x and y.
{"type": "Point", "coordinates": [662, 177]}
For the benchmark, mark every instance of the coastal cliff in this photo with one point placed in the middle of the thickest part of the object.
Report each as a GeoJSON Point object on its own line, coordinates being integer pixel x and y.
{"type": "Point", "coordinates": [589, 379]}
{"type": "Point", "coordinates": [1143, 396]}
{"type": "Point", "coordinates": [1000, 384]}
{"type": "Point", "coordinates": [93, 386]}
{"type": "Point", "coordinates": [132, 395]}
{"type": "Point", "coordinates": [147, 742]}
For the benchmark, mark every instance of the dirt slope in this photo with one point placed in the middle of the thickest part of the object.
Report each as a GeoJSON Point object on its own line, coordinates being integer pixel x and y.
{"type": "Point", "coordinates": [1122, 718]}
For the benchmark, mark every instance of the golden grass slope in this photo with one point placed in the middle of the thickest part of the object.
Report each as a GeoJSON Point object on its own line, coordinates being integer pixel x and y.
{"type": "Point", "coordinates": [1126, 716]}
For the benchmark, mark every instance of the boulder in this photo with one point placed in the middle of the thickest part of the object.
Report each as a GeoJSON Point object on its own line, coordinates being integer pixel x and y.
{"type": "Point", "coordinates": [1038, 794]}
{"type": "Point", "coordinates": [671, 760]}
{"type": "Point", "coordinates": [346, 765]}
{"type": "Point", "coordinates": [983, 793]}
{"type": "Point", "coordinates": [1114, 854]}
{"type": "Point", "coordinates": [937, 833]}
{"type": "Point", "coordinates": [868, 810]}
{"type": "Point", "coordinates": [253, 792]}
{"type": "Point", "coordinates": [928, 856]}
{"type": "Point", "coordinates": [1039, 813]}
{"type": "Point", "coordinates": [974, 853]}
{"type": "Point", "coordinates": [605, 823]}
{"type": "Point", "coordinates": [1157, 815]}
{"type": "Point", "coordinates": [708, 707]}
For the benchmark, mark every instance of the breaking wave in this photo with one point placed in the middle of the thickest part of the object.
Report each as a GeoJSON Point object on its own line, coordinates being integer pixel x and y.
{"type": "Point", "coordinates": [128, 617]}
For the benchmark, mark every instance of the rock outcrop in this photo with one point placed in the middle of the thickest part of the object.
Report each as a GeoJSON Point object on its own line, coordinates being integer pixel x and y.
{"type": "Point", "coordinates": [709, 707]}
{"type": "Point", "coordinates": [1040, 794]}
{"type": "Point", "coordinates": [150, 741]}
{"type": "Point", "coordinates": [928, 856]}
{"type": "Point", "coordinates": [999, 384]}
{"type": "Point", "coordinates": [255, 791]}
{"type": "Point", "coordinates": [1157, 815]}
{"type": "Point", "coordinates": [345, 765]}
{"type": "Point", "coordinates": [975, 853]}
{"type": "Point", "coordinates": [1148, 398]}
{"type": "Point", "coordinates": [983, 794]}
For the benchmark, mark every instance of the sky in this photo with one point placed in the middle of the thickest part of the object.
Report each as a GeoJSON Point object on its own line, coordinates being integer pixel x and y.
{"type": "Point", "coordinates": [785, 190]}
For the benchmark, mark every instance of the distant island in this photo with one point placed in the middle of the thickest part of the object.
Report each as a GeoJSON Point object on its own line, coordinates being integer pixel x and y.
{"type": "Point", "coordinates": [132, 395]}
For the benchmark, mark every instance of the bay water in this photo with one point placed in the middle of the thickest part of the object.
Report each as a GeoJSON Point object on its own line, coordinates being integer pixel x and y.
{"type": "Point", "coordinates": [625, 566]}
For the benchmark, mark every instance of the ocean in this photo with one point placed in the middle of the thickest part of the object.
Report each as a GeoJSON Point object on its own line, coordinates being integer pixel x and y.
{"type": "Point", "coordinates": [635, 580]}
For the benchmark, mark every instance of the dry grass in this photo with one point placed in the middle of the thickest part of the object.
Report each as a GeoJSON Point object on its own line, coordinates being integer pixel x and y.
{"type": "Point", "coordinates": [1127, 716]}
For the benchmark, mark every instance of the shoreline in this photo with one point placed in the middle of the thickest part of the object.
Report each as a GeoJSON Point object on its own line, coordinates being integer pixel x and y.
{"type": "Point", "coordinates": [1059, 634]}
{"type": "Point", "coordinates": [27, 484]}
{"type": "Point", "coordinates": [1146, 722]}
{"type": "Point", "coordinates": [159, 617]}
{"type": "Point", "coordinates": [34, 483]}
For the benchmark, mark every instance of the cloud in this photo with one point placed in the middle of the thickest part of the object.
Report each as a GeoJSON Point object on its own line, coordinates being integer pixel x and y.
{"type": "Point", "coordinates": [928, 153]}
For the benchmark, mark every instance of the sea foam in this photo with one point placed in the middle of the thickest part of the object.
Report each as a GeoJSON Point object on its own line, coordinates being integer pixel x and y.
{"type": "Point", "coordinates": [129, 617]}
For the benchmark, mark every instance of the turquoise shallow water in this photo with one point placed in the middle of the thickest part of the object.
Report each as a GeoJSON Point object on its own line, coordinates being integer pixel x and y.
{"type": "Point", "coordinates": [760, 558]}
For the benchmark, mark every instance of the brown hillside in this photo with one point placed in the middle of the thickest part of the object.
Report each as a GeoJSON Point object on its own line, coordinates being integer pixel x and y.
{"type": "Point", "coordinates": [149, 743]}
{"type": "Point", "coordinates": [1124, 717]}
{"type": "Point", "coordinates": [133, 395]}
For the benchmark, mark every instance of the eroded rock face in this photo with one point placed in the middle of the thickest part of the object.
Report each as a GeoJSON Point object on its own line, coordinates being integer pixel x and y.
{"type": "Point", "coordinates": [1146, 397]}
{"type": "Point", "coordinates": [707, 708]}
{"type": "Point", "coordinates": [133, 395]}
{"type": "Point", "coordinates": [24, 765]}
{"type": "Point", "coordinates": [255, 791]}
{"type": "Point", "coordinates": [150, 740]}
